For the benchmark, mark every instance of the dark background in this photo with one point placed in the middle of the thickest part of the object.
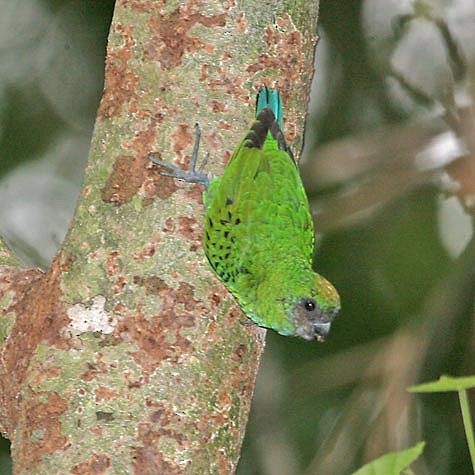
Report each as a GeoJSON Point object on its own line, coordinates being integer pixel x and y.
{"type": "Point", "coordinates": [393, 240]}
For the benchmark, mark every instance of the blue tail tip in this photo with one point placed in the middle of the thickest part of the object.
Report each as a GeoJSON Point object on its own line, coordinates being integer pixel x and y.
{"type": "Point", "coordinates": [270, 98]}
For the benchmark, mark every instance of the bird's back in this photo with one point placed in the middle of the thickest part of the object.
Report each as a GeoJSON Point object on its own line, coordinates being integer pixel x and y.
{"type": "Point", "coordinates": [257, 212]}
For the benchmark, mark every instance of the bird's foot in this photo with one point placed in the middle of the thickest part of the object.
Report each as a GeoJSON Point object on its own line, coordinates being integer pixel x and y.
{"type": "Point", "coordinates": [192, 175]}
{"type": "Point", "coordinates": [247, 323]}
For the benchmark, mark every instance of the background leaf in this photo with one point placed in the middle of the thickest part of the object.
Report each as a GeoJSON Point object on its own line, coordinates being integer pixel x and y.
{"type": "Point", "coordinates": [393, 463]}
{"type": "Point", "coordinates": [445, 384]}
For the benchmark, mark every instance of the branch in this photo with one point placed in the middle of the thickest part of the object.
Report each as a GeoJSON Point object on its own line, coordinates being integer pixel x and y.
{"type": "Point", "coordinates": [136, 362]}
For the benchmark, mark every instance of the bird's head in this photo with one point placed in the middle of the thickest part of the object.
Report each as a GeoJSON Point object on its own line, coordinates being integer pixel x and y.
{"type": "Point", "coordinates": [313, 313]}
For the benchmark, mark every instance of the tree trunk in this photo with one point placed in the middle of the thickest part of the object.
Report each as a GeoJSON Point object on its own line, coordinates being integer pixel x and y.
{"type": "Point", "coordinates": [127, 356]}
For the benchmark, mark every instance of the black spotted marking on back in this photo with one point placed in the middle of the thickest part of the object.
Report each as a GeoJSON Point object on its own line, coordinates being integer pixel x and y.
{"type": "Point", "coordinates": [224, 276]}
{"type": "Point", "coordinates": [229, 201]}
{"type": "Point", "coordinates": [226, 271]}
{"type": "Point", "coordinates": [221, 252]}
{"type": "Point", "coordinates": [265, 122]}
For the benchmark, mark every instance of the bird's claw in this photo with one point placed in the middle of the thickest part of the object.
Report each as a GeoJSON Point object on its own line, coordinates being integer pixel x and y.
{"type": "Point", "coordinates": [192, 175]}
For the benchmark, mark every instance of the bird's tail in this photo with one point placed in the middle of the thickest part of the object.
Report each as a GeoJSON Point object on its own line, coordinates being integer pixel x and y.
{"type": "Point", "coordinates": [270, 98]}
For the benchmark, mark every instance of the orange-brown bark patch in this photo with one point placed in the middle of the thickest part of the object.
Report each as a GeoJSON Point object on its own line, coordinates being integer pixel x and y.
{"type": "Point", "coordinates": [42, 434]}
{"type": "Point", "coordinates": [162, 424]}
{"type": "Point", "coordinates": [149, 460]}
{"type": "Point", "coordinates": [232, 85]}
{"type": "Point", "coordinates": [21, 284]}
{"type": "Point", "coordinates": [224, 125]}
{"type": "Point", "coordinates": [153, 285]}
{"type": "Point", "coordinates": [196, 194]}
{"type": "Point", "coordinates": [185, 295]}
{"type": "Point", "coordinates": [149, 250]}
{"type": "Point", "coordinates": [86, 191]}
{"type": "Point", "coordinates": [112, 263]}
{"type": "Point", "coordinates": [191, 232]}
{"type": "Point", "coordinates": [40, 318]}
{"type": "Point", "coordinates": [119, 284]}
{"type": "Point", "coordinates": [159, 338]}
{"type": "Point", "coordinates": [181, 138]}
{"type": "Point", "coordinates": [105, 394]}
{"type": "Point", "coordinates": [169, 225]}
{"type": "Point", "coordinates": [165, 419]}
{"type": "Point", "coordinates": [239, 352]}
{"type": "Point", "coordinates": [188, 228]}
{"type": "Point", "coordinates": [98, 464]}
{"type": "Point", "coordinates": [96, 430]}
{"type": "Point", "coordinates": [120, 81]}
{"type": "Point", "coordinates": [229, 4]}
{"type": "Point", "coordinates": [142, 6]}
{"type": "Point", "coordinates": [209, 421]}
{"type": "Point", "coordinates": [226, 56]}
{"type": "Point", "coordinates": [47, 373]}
{"type": "Point", "coordinates": [125, 180]}
{"type": "Point", "coordinates": [285, 52]}
{"type": "Point", "coordinates": [204, 72]}
{"type": "Point", "coordinates": [214, 140]}
{"type": "Point", "coordinates": [143, 141]}
{"type": "Point", "coordinates": [218, 106]}
{"type": "Point", "coordinates": [172, 38]}
{"type": "Point", "coordinates": [233, 315]}
{"type": "Point", "coordinates": [17, 281]}
{"type": "Point", "coordinates": [215, 299]}
{"type": "Point", "coordinates": [291, 129]}
{"type": "Point", "coordinates": [99, 366]}
{"type": "Point", "coordinates": [130, 172]}
{"type": "Point", "coordinates": [242, 22]}
{"type": "Point", "coordinates": [158, 185]}
{"type": "Point", "coordinates": [223, 462]}
{"type": "Point", "coordinates": [224, 398]}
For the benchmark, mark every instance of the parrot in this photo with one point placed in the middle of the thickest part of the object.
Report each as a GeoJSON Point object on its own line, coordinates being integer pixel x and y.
{"type": "Point", "coordinates": [258, 231]}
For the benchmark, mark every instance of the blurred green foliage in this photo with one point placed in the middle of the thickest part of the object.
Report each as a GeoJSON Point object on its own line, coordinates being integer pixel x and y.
{"type": "Point", "coordinates": [32, 30]}
{"type": "Point", "coordinates": [407, 295]}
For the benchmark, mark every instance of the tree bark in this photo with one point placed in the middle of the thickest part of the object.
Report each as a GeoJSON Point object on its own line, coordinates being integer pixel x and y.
{"type": "Point", "coordinates": [127, 356]}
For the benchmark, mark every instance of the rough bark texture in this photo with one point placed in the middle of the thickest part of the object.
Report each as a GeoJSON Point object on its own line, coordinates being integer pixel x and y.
{"type": "Point", "coordinates": [127, 356]}
{"type": "Point", "coordinates": [7, 257]}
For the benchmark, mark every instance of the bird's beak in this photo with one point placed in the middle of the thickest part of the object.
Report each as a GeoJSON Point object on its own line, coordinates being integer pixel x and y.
{"type": "Point", "coordinates": [321, 330]}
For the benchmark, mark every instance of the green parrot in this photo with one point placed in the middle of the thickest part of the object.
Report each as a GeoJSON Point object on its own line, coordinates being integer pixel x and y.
{"type": "Point", "coordinates": [258, 232]}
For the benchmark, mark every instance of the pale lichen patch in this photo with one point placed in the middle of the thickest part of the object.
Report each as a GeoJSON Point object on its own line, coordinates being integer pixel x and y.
{"type": "Point", "coordinates": [91, 319]}
{"type": "Point", "coordinates": [6, 322]}
{"type": "Point", "coordinates": [7, 299]}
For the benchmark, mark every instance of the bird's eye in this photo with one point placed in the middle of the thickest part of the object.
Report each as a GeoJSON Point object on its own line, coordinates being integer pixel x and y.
{"type": "Point", "coordinates": [310, 305]}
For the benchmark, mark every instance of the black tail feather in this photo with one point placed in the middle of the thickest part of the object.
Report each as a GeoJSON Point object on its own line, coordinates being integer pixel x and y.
{"type": "Point", "coordinates": [266, 122]}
